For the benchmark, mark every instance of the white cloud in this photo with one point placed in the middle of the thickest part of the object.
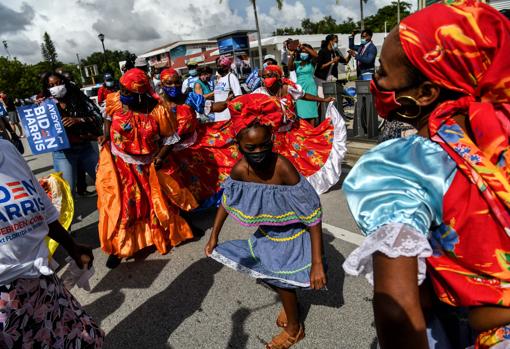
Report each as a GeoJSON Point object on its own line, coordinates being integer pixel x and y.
{"type": "Point", "coordinates": [140, 25]}
{"type": "Point", "coordinates": [343, 11]}
{"type": "Point", "coordinates": [316, 14]}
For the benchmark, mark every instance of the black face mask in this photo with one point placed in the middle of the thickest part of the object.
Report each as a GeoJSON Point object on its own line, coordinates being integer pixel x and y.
{"type": "Point", "coordinates": [259, 160]}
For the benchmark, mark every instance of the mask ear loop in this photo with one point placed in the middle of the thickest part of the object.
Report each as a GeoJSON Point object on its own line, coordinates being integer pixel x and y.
{"type": "Point", "coordinates": [409, 117]}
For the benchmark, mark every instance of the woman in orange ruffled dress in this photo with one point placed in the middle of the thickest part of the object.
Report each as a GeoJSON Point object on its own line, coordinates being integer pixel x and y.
{"type": "Point", "coordinates": [138, 205]}
{"type": "Point", "coordinates": [316, 152]}
{"type": "Point", "coordinates": [206, 152]}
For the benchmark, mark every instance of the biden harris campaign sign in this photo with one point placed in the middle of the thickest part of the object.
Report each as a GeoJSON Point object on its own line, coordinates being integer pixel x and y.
{"type": "Point", "coordinates": [43, 127]}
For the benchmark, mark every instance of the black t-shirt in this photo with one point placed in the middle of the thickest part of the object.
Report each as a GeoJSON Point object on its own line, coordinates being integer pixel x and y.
{"type": "Point", "coordinates": [326, 56]}
{"type": "Point", "coordinates": [9, 104]}
{"type": "Point", "coordinates": [78, 105]}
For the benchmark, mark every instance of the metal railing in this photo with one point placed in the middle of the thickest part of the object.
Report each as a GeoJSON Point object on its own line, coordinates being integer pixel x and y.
{"type": "Point", "coordinates": [365, 123]}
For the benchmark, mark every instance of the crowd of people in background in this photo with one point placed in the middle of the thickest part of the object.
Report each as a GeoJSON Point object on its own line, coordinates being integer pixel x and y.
{"type": "Point", "coordinates": [159, 145]}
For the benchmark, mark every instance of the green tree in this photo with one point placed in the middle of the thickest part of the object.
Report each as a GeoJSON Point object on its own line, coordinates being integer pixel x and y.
{"type": "Point", "coordinates": [347, 26]}
{"type": "Point", "coordinates": [328, 25]}
{"type": "Point", "coordinates": [288, 31]}
{"type": "Point", "coordinates": [48, 51]}
{"type": "Point", "coordinates": [27, 77]}
{"type": "Point", "coordinates": [387, 14]}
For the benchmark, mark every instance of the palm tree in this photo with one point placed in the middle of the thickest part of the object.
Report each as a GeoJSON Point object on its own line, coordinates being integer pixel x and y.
{"type": "Point", "coordinates": [279, 4]}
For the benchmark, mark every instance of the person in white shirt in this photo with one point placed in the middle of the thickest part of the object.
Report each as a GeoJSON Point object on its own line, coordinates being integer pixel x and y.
{"type": "Point", "coordinates": [37, 310]}
{"type": "Point", "coordinates": [226, 87]}
{"type": "Point", "coordinates": [189, 83]}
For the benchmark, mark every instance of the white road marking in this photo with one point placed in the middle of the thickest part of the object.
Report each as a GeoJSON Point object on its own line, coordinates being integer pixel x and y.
{"type": "Point", "coordinates": [343, 234]}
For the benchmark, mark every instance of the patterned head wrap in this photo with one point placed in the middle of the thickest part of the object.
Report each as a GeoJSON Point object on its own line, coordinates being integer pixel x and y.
{"type": "Point", "coordinates": [136, 81]}
{"type": "Point", "coordinates": [225, 61]}
{"type": "Point", "coordinates": [464, 47]}
{"type": "Point", "coordinates": [255, 107]}
{"type": "Point", "coordinates": [168, 73]}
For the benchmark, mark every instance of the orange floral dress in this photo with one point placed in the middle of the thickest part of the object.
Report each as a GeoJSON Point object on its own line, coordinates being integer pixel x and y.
{"type": "Point", "coordinates": [139, 206]}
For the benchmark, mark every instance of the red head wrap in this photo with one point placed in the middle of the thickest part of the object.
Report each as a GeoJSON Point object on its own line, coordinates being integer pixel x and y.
{"type": "Point", "coordinates": [167, 73]}
{"type": "Point", "coordinates": [255, 107]}
{"type": "Point", "coordinates": [136, 81]}
{"type": "Point", "coordinates": [462, 46]}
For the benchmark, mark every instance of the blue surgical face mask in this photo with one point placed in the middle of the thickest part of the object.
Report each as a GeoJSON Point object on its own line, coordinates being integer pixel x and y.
{"type": "Point", "coordinates": [193, 72]}
{"type": "Point", "coordinates": [335, 45]}
{"type": "Point", "coordinates": [108, 83]}
{"type": "Point", "coordinates": [363, 41]}
{"type": "Point", "coordinates": [172, 92]}
{"type": "Point", "coordinates": [127, 100]}
{"type": "Point", "coordinates": [265, 65]}
{"type": "Point", "coordinates": [304, 56]}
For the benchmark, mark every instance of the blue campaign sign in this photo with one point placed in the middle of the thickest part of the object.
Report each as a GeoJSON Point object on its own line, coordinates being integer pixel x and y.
{"type": "Point", "coordinates": [43, 127]}
{"type": "Point", "coordinates": [3, 111]}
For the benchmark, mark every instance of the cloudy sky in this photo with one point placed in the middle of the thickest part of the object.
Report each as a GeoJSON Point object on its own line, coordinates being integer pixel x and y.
{"type": "Point", "coordinates": [140, 25]}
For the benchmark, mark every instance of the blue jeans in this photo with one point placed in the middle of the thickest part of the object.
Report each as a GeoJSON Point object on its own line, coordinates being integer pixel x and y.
{"type": "Point", "coordinates": [67, 161]}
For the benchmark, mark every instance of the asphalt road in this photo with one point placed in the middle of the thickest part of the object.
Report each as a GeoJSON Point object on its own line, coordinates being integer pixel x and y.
{"type": "Point", "coordinates": [185, 300]}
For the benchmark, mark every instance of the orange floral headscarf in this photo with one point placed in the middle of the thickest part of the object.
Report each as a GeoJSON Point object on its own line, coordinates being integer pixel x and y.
{"type": "Point", "coordinates": [136, 81]}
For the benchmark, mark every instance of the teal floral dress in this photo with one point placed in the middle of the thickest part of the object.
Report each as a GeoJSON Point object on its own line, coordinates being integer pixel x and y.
{"type": "Point", "coordinates": [306, 109]}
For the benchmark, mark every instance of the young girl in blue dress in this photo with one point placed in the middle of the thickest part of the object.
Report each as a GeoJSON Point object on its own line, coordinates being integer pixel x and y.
{"type": "Point", "coordinates": [266, 191]}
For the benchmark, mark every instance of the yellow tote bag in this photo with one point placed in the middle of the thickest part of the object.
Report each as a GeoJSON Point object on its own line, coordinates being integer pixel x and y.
{"type": "Point", "coordinates": [59, 192]}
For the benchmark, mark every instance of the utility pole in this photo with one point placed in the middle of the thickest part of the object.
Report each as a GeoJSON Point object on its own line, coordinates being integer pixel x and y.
{"type": "Point", "coordinates": [398, 11]}
{"type": "Point", "coordinates": [361, 13]}
{"type": "Point", "coordinates": [79, 68]}
{"type": "Point", "coordinates": [6, 48]}
{"type": "Point", "coordinates": [259, 41]}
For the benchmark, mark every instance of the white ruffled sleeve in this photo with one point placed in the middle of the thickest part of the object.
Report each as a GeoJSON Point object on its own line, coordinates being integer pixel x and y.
{"type": "Point", "coordinates": [296, 92]}
{"type": "Point", "coordinates": [394, 240]}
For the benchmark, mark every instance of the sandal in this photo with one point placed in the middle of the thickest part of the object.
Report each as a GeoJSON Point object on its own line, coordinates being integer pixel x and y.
{"type": "Point", "coordinates": [281, 320]}
{"type": "Point", "coordinates": [285, 341]}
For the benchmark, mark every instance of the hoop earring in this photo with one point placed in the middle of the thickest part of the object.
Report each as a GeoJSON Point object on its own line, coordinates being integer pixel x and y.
{"type": "Point", "coordinates": [409, 117]}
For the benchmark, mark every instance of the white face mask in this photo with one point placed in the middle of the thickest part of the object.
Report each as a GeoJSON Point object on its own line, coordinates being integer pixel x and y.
{"type": "Point", "coordinates": [58, 91]}
{"type": "Point", "coordinates": [109, 83]}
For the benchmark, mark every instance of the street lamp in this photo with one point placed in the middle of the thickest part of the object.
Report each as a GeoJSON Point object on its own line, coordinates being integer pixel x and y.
{"type": "Point", "coordinates": [101, 37]}
{"type": "Point", "coordinates": [6, 48]}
